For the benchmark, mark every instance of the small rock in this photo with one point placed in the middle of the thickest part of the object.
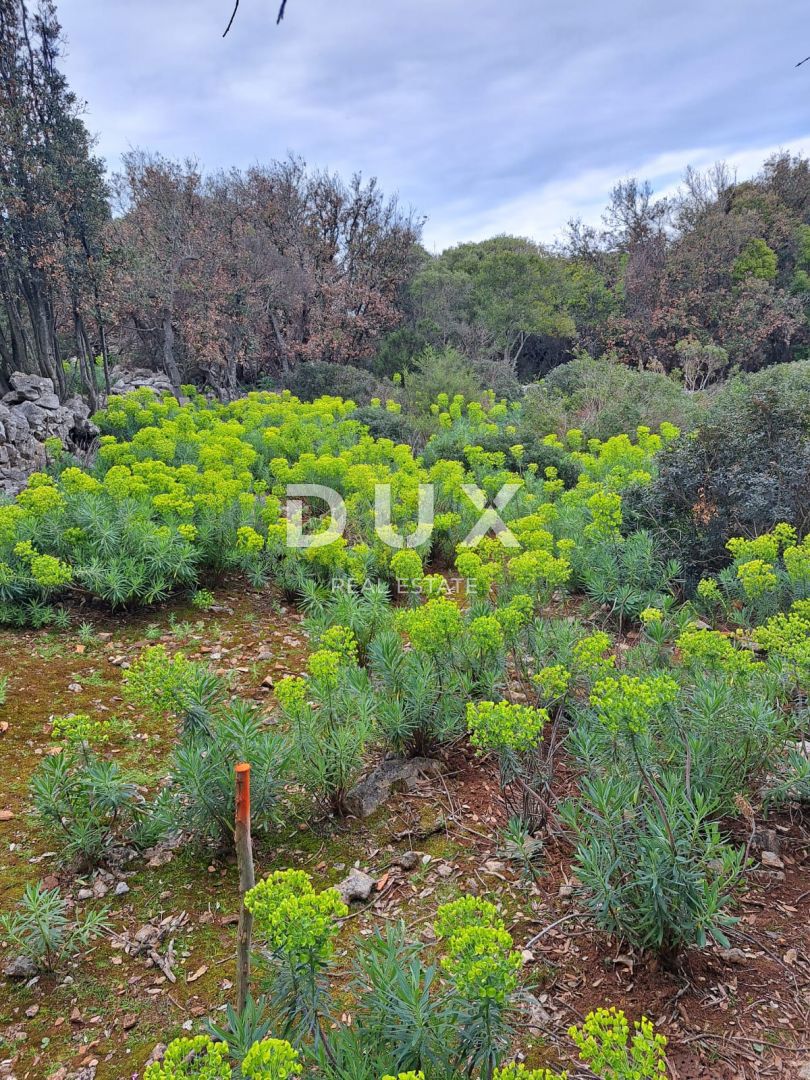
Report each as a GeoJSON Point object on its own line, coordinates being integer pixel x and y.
{"type": "Point", "coordinates": [157, 1054]}
{"type": "Point", "coordinates": [408, 860]}
{"type": "Point", "coordinates": [732, 956]}
{"type": "Point", "coordinates": [566, 892]}
{"type": "Point", "coordinates": [494, 866]}
{"type": "Point", "coordinates": [121, 889]}
{"type": "Point", "coordinates": [100, 889]}
{"type": "Point", "coordinates": [84, 894]}
{"type": "Point", "coordinates": [6, 815]}
{"type": "Point", "coordinates": [772, 861]}
{"type": "Point", "coordinates": [357, 886]}
{"type": "Point", "coordinates": [32, 1011]}
{"type": "Point", "coordinates": [129, 1021]}
{"type": "Point", "coordinates": [20, 967]}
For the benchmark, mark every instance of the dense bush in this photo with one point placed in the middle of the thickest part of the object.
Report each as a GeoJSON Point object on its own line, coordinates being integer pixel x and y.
{"type": "Point", "coordinates": [745, 469]}
{"type": "Point", "coordinates": [316, 378]}
{"type": "Point", "coordinates": [605, 398]}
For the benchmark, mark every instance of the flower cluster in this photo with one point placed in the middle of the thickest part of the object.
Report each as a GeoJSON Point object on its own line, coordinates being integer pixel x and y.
{"type": "Point", "coordinates": [342, 641]}
{"type": "Point", "coordinates": [293, 919]}
{"type": "Point", "coordinates": [434, 626]}
{"type": "Point", "coordinates": [626, 703]}
{"type": "Point", "coordinates": [607, 1048]}
{"type": "Point", "coordinates": [523, 1072]}
{"type": "Point", "coordinates": [552, 682]}
{"type": "Point", "coordinates": [271, 1059]}
{"type": "Point", "coordinates": [787, 636]}
{"type": "Point", "coordinates": [199, 1058]}
{"type": "Point", "coordinates": [713, 651]}
{"type": "Point", "coordinates": [504, 727]}
{"type": "Point", "coordinates": [480, 961]}
{"type": "Point", "coordinates": [79, 728]}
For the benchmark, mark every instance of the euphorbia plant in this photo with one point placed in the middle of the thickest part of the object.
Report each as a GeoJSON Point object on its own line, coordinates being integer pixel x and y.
{"type": "Point", "coordinates": [607, 1047]}
{"type": "Point", "coordinates": [481, 969]}
{"type": "Point", "coordinates": [198, 1058]}
{"type": "Point", "coordinates": [514, 733]}
{"type": "Point", "coordinates": [298, 926]}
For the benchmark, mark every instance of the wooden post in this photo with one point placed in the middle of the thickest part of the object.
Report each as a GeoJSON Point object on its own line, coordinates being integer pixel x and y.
{"type": "Point", "coordinates": [247, 879]}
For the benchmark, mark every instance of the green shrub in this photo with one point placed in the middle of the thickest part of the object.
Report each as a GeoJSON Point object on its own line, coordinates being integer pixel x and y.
{"type": "Point", "coordinates": [657, 871]}
{"type": "Point", "coordinates": [604, 398]}
{"type": "Point", "coordinates": [42, 930]}
{"type": "Point", "coordinates": [419, 704]}
{"type": "Point", "coordinates": [196, 1058]}
{"type": "Point", "coordinates": [92, 806]}
{"type": "Point", "coordinates": [313, 379]}
{"type": "Point", "coordinates": [514, 733]}
{"type": "Point", "coordinates": [330, 719]}
{"type": "Point", "coordinates": [298, 925]}
{"type": "Point", "coordinates": [608, 1049]}
{"type": "Point", "coordinates": [202, 770]}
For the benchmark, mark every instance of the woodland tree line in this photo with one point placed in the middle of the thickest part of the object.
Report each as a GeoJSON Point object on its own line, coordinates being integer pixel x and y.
{"type": "Point", "coordinates": [229, 278]}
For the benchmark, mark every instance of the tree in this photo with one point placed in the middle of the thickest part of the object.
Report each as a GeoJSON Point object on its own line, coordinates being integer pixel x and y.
{"type": "Point", "coordinates": [54, 262]}
{"type": "Point", "coordinates": [238, 275]}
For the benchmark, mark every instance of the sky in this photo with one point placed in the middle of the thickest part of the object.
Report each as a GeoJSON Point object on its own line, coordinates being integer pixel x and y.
{"type": "Point", "coordinates": [485, 116]}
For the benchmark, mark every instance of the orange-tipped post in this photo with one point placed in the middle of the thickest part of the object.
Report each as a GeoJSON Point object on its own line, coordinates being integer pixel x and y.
{"type": "Point", "coordinates": [247, 879]}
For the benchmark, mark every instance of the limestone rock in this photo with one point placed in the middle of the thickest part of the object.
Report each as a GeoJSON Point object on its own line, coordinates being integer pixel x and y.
{"type": "Point", "coordinates": [357, 886]}
{"type": "Point", "coordinates": [20, 968]}
{"type": "Point", "coordinates": [393, 775]}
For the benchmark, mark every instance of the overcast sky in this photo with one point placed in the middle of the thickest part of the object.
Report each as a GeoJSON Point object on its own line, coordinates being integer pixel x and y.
{"type": "Point", "coordinates": [487, 116]}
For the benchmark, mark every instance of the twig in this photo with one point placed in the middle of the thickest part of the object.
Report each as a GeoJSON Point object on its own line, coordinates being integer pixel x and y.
{"type": "Point", "coordinates": [233, 16]}
{"type": "Point", "coordinates": [559, 922]}
{"type": "Point", "coordinates": [280, 16]}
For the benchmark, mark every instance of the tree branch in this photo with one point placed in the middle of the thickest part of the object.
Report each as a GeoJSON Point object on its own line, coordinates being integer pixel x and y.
{"type": "Point", "coordinates": [281, 11]}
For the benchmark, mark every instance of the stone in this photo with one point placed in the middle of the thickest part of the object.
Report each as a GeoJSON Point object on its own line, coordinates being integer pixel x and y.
{"type": "Point", "coordinates": [357, 886]}
{"type": "Point", "coordinates": [408, 860]}
{"type": "Point", "coordinates": [29, 415]}
{"type": "Point", "coordinates": [394, 775]}
{"type": "Point", "coordinates": [20, 968]}
{"type": "Point", "coordinates": [121, 889]}
{"type": "Point", "coordinates": [733, 956]}
{"type": "Point", "coordinates": [771, 860]}
{"type": "Point", "coordinates": [158, 1053]}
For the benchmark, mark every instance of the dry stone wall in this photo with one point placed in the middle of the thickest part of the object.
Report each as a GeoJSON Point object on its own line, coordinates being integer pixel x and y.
{"type": "Point", "coordinates": [30, 413]}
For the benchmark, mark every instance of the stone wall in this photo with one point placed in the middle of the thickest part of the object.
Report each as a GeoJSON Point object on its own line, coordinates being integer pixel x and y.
{"type": "Point", "coordinates": [31, 413]}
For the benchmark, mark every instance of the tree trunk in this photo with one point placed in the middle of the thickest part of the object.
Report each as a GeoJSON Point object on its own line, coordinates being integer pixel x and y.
{"type": "Point", "coordinates": [169, 362]}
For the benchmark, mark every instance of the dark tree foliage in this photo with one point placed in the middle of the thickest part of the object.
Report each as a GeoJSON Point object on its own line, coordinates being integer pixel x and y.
{"type": "Point", "coordinates": [746, 468]}
{"type": "Point", "coordinates": [54, 260]}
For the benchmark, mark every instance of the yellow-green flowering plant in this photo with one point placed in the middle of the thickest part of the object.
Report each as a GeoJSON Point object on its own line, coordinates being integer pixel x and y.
{"type": "Point", "coordinates": [609, 1049]}
{"type": "Point", "coordinates": [519, 1071]}
{"type": "Point", "coordinates": [197, 1058]}
{"type": "Point", "coordinates": [481, 968]}
{"type": "Point", "coordinates": [271, 1059]}
{"type": "Point", "coordinates": [299, 926]}
{"type": "Point", "coordinates": [514, 733]}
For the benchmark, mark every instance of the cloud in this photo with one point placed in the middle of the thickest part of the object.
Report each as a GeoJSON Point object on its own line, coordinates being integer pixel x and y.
{"type": "Point", "coordinates": [486, 117]}
{"type": "Point", "coordinates": [543, 213]}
